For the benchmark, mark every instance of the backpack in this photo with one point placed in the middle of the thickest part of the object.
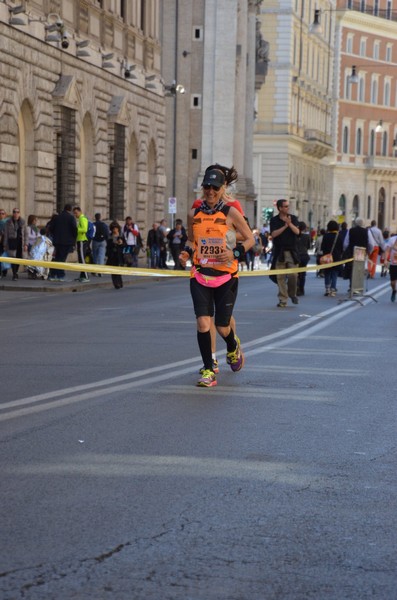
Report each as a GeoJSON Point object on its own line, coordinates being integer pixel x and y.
{"type": "Point", "coordinates": [90, 233]}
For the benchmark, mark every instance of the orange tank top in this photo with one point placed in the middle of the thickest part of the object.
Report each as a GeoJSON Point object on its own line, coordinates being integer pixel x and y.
{"type": "Point", "coordinates": [210, 239]}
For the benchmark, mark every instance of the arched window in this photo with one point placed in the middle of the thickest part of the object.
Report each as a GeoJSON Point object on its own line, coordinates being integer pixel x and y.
{"type": "Point", "coordinates": [386, 99]}
{"type": "Point", "coordinates": [369, 207]}
{"type": "Point", "coordinates": [356, 206]}
{"type": "Point", "coordinates": [359, 141]}
{"type": "Point", "coordinates": [372, 143]}
{"type": "Point", "coordinates": [361, 89]}
{"type": "Point", "coordinates": [384, 144]}
{"type": "Point", "coordinates": [374, 91]}
{"type": "Point", "coordinates": [342, 204]}
{"type": "Point", "coordinates": [345, 149]}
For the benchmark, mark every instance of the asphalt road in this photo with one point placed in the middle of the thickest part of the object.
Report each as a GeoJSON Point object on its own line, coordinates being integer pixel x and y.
{"type": "Point", "coordinates": [121, 480]}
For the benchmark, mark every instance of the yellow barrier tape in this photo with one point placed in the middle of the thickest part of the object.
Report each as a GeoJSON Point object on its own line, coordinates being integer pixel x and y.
{"type": "Point", "coordinates": [140, 272]}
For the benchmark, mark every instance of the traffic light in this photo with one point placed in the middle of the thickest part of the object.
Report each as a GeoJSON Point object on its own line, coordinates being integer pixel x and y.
{"type": "Point", "coordinates": [267, 214]}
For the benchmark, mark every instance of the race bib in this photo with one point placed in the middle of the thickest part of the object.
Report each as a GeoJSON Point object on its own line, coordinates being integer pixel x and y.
{"type": "Point", "coordinates": [208, 249]}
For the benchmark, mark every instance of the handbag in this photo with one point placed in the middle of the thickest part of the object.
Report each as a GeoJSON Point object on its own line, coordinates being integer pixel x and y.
{"type": "Point", "coordinates": [327, 259]}
{"type": "Point", "coordinates": [4, 266]}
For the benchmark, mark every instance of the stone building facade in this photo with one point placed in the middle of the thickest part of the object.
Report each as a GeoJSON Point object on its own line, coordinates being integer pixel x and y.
{"type": "Point", "coordinates": [79, 121]}
{"type": "Point", "coordinates": [210, 48]}
{"type": "Point", "coordinates": [317, 140]}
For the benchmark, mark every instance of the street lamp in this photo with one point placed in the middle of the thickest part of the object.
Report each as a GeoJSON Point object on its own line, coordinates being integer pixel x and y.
{"type": "Point", "coordinates": [379, 127]}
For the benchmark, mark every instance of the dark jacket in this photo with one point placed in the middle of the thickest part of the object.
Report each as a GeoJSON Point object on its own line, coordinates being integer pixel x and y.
{"type": "Point", "coordinates": [15, 235]}
{"type": "Point", "coordinates": [101, 231]}
{"type": "Point", "coordinates": [154, 238]}
{"type": "Point", "coordinates": [63, 229]}
{"type": "Point", "coordinates": [114, 251]}
{"type": "Point", "coordinates": [326, 245]}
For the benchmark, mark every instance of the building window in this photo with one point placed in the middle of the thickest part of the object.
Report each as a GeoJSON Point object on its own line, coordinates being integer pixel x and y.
{"type": "Point", "coordinates": [66, 158]}
{"type": "Point", "coordinates": [372, 143]}
{"type": "Point", "coordinates": [388, 53]}
{"type": "Point", "coordinates": [361, 89]}
{"type": "Point", "coordinates": [393, 214]}
{"type": "Point", "coordinates": [349, 44]}
{"type": "Point", "coordinates": [356, 206]}
{"type": "Point", "coordinates": [386, 100]}
{"type": "Point", "coordinates": [384, 143]}
{"type": "Point", "coordinates": [376, 8]}
{"type": "Point", "coordinates": [194, 153]}
{"type": "Point", "coordinates": [196, 101]}
{"type": "Point", "coordinates": [197, 33]}
{"type": "Point", "coordinates": [345, 149]}
{"type": "Point", "coordinates": [369, 207]}
{"type": "Point", "coordinates": [143, 16]}
{"type": "Point", "coordinates": [116, 174]}
{"type": "Point", "coordinates": [122, 9]}
{"type": "Point", "coordinates": [348, 87]}
{"type": "Point", "coordinates": [376, 50]}
{"type": "Point", "coordinates": [363, 46]}
{"type": "Point", "coordinates": [359, 141]}
{"type": "Point", "coordinates": [389, 9]}
{"type": "Point", "coordinates": [374, 90]}
{"type": "Point", "coordinates": [342, 204]}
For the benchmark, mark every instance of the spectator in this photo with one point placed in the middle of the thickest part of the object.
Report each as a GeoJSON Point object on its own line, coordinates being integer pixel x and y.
{"type": "Point", "coordinates": [303, 247]}
{"type": "Point", "coordinates": [62, 230]}
{"type": "Point", "coordinates": [163, 241]}
{"type": "Point", "coordinates": [357, 235]}
{"type": "Point", "coordinates": [383, 262]}
{"type": "Point", "coordinates": [284, 229]}
{"type": "Point", "coordinates": [177, 238]}
{"type": "Point", "coordinates": [318, 251]}
{"type": "Point", "coordinates": [332, 244]}
{"type": "Point", "coordinates": [32, 230]}
{"type": "Point", "coordinates": [153, 242]}
{"type": "Point", "coordinates": [115, 245]}
{"type": "Point", "coordinates": [130, 234]}
{"type": "Point", "coordinates": [82, 243]}
{"type": "Point", "coordinates": [99, 242]}
{"type": "Point", "coordinates": [3, 219]}
{"type": "Point", "coordinates": [15, 239]}
{"type": "Point", "coordinates": [379, 246]}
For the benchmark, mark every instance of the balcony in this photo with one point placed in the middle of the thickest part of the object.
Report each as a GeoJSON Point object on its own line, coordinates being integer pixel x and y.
{"type": "Point", "coordinates": [381, 165]}
{"type": "Point", "coordinates": [317, 144]}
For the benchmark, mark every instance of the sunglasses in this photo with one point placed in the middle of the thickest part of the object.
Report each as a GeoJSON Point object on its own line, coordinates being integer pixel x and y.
{"type": "Point", "coordinates": [211, 187]}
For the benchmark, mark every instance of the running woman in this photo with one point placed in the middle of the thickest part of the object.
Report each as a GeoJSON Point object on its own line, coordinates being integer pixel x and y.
{"type": "Point", "coordinates": [231, 176]}
{"type": "Point", "coordinates": [213, 227]}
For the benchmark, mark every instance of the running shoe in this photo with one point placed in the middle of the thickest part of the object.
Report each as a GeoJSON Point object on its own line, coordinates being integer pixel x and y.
{"type": "Point", "coordinates": [215, 367]}
{"type": "Point", "coordinates": [236, 358]}
{"type": "Point", "coordinates": [393, 296]}
{"type": "Point", "coordinates": [207, 379]}
{"type": "Point", "coordinates": [282, 305]}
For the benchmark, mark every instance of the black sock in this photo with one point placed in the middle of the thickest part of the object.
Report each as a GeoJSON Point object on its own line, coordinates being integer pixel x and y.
{"type": "Point", "coordinates": [204, 342]}
{"type": "Point", "coordinates": [230, 341]}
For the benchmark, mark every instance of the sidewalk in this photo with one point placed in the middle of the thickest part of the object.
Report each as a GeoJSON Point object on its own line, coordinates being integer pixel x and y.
{"type": "Point", "coordinates": [23, 284]}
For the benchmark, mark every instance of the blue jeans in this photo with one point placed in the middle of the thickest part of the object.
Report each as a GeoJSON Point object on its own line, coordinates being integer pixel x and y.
{"type": "Point", "coordinates": [155, 257]}
{"type": "Point", "coordinates": [98, 252]}
{"type": "Point", "coordinates": [330, 278]}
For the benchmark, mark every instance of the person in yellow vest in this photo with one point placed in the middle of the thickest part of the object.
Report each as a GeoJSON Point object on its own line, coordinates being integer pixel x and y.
{"type": "Point", "coordinates": [81, 240]}
{"type": "Point", "coordinates": [212, 229]}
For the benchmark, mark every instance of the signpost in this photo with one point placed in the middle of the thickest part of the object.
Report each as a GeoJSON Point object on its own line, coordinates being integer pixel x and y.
{"type": "Point", "coordinates": [172, 210]}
